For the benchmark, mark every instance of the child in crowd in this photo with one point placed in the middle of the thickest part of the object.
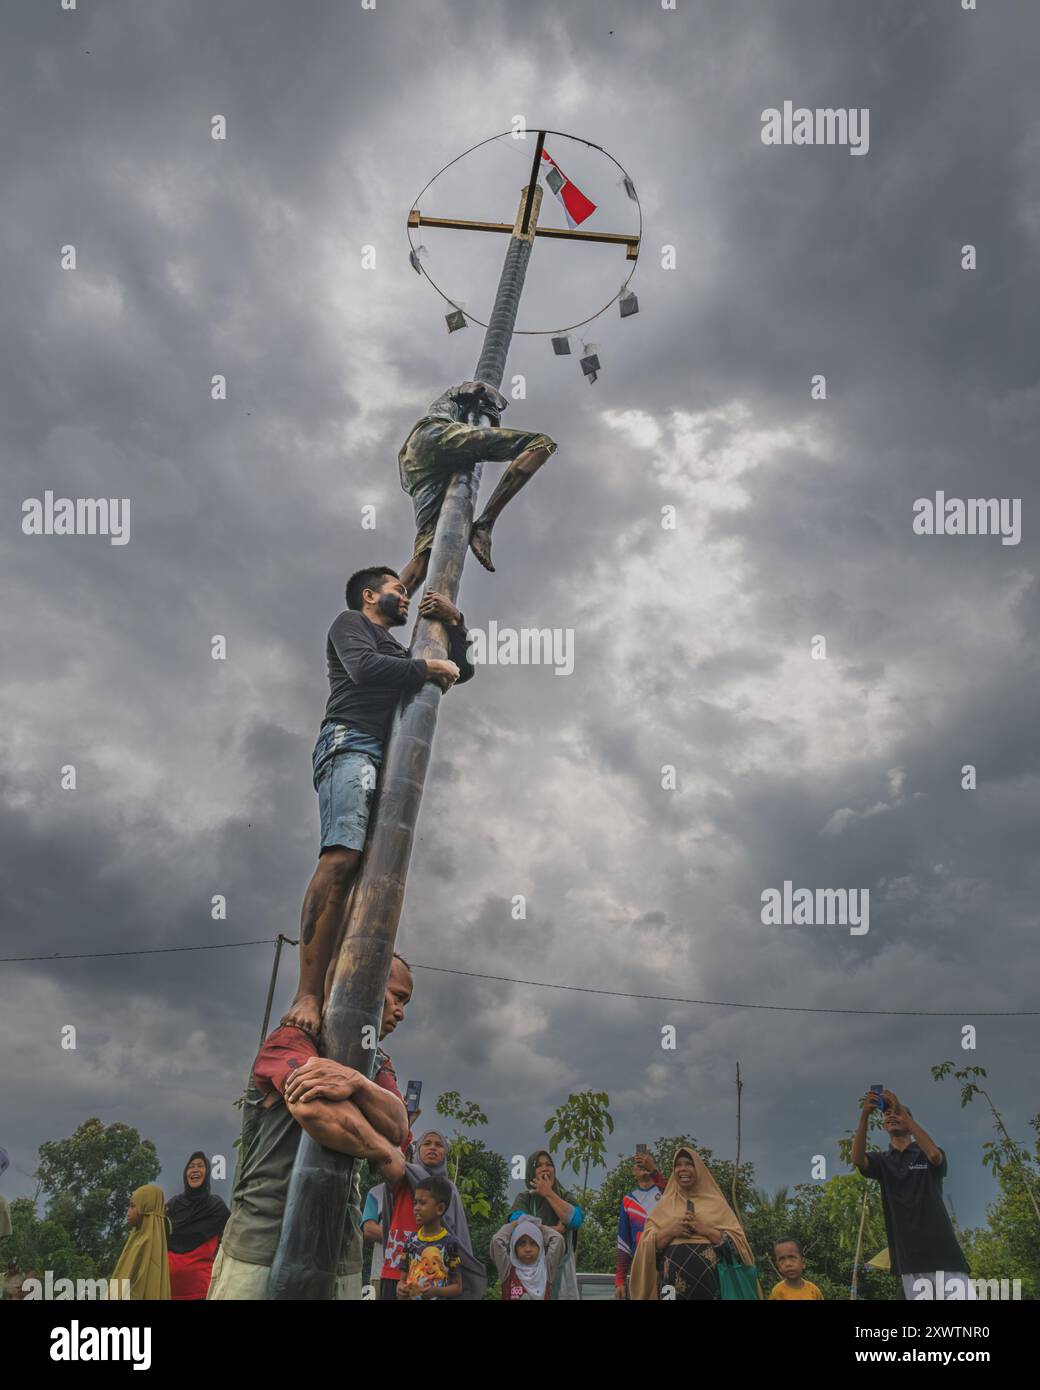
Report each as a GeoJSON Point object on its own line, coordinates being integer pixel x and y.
{"type": "Point", "coordinates": [144, 1263]}
{"type": "Point", "coordinates": [791, 1263]}
{"type": "Point", "coordinates": [432, 1254]}
{"type": "Point", "coordinates": [399, 1222]}
{"type": "Point", "coordinates": [527, 1256]}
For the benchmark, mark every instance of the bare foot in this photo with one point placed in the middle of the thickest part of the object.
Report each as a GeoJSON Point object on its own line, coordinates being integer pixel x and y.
{"type": "Point", "coordinates": [305, 1013]}
{"type": "Point", "coordinates": [480, 544]}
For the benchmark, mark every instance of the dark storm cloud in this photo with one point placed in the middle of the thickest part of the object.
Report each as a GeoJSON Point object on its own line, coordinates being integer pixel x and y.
{"type": "Point", "coordinates": [691, 647]}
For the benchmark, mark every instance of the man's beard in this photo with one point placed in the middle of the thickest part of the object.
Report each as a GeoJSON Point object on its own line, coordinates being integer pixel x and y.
{"type": "Point", "coordinates": [390, 607]}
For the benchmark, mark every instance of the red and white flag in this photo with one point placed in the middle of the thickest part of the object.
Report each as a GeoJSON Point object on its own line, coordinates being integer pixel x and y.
{"type": "Point", "coordinates": [576, 207]}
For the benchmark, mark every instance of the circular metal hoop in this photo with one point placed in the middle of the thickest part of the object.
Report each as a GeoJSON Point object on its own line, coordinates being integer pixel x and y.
{"type": "Point", "coordinates": [530, 332]}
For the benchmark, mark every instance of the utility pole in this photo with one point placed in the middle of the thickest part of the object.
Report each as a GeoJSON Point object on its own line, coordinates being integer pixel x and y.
{"type": "Point", "coordinates": [274, 977]}
{"type": "Point", "coordinates": [319, 1190]}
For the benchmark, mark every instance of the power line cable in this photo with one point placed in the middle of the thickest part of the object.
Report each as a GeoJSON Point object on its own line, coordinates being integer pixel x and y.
{"type": "Point", "coordinates": [570, 989]}
{"type": "Point", "coordinates": [143, 951]}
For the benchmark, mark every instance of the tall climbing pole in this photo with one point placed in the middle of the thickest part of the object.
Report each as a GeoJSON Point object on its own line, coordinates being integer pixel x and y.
{"type": "Point", "coordinates": [319, 1190]}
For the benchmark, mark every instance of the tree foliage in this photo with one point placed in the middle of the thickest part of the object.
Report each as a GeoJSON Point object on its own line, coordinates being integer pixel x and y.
{"type": "Point", "coordinates": [1008, 1247]}
{"type": "Point", "coordinates": [486, 1173]}
{"type": "Point", "coordinates": [36, 1245]}
{"type": "Point", "coordinates": [1007, 1158]}
{"type": "Point", "coordinates": [88, 1180]}
{"type": "Point", "coordinates": [581, 1125]}
{"type": "Point", "coordinates": [466, 1113]}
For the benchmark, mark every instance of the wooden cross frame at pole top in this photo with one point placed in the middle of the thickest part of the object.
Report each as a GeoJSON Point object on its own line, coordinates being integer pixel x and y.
{"type": "Point", "coordinates": [316, 1209]}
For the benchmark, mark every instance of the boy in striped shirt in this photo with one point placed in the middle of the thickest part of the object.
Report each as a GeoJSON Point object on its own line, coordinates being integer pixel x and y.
{"type": "Point", "coordinates": [636, 1204]}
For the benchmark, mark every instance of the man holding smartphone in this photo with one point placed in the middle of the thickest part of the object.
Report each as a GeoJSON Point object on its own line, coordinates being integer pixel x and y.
{"type": "Point", "coordinates": [636, 1204]}
{"type": "Point", "coordinates": [922, 1244]}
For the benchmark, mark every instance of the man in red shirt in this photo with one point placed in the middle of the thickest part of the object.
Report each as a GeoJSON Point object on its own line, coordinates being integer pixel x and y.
{"type": "Point", "coordinates": [292, 1088]}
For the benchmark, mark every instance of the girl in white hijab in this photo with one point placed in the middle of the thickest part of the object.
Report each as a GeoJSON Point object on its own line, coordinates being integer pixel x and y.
{"type": "Point", "coordinates": [527, 1256]}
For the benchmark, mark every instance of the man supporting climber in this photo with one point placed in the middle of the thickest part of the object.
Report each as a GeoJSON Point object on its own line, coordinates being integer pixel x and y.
{"type": "Point", "coordinates": [442, 443]}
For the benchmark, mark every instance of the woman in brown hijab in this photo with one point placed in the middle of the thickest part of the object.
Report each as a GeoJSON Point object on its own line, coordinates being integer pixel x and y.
{"type": "Point", "coordinates": [684, 1235]}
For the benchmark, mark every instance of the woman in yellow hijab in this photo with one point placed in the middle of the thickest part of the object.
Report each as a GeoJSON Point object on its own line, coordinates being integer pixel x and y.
{"type": "Point", "coordinates": [143, 1262]}
{"type": "Point", "coordinates": [683, 1233]}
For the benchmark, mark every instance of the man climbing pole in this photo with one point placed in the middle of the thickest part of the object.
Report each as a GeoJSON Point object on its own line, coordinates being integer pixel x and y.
{"type": "Point", "coordinates": [369, 671]}
{"type": "Point", "coordinates": [442, 443]}
{"type": "Point", "coordinates": [440, 467]}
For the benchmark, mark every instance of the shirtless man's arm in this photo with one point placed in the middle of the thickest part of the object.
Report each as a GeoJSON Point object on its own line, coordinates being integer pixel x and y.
{"type": "Point", "coordinates": [322, 1079]}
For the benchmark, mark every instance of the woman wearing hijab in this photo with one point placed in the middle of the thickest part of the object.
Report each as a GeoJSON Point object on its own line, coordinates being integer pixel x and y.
{"type": "Point", "coordinates": [527, 1256]}
{"type": "Point", "coordinates": [143, 1261]}
{"type": "Point", "coordinates": [197, 1219]}
{"type": "Point", "coordinates": [685, 1234]}
{"type": "Point", "coordinates": [399, 1218]}
{"type": "Point", "coordinates": [557, 1210]}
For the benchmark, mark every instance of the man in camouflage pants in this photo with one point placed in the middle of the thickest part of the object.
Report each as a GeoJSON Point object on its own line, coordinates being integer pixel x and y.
{"type": "Point", "coordinates": [442, 443]}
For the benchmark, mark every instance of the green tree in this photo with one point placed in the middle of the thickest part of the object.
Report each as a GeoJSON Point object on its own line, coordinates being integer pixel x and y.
{"type": "Point", "coordinates": [596, 1248]}
{"type": "Point", "coordinates": [485, 1173]}
{"type": "Point", "coordinates": [581, 1125]}
{"type": "Point", "coordinates": [88, 1180]}
{"type": "Point", "coordinates": [1005, 1157]}
{"type": "Point", "coordinates": [466, 1113]}
{"type": "Point", "coordinates": [772, 1210]}
{"type": "Point", "coordinates": [1009, 1248]}
{"type": "Point", "coordinates": [36, 1245]}
{"type": "Point", "coordinates": [852, 1206]}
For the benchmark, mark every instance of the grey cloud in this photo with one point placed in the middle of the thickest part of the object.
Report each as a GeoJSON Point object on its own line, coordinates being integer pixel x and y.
{"type": "Point", "coordinates": [691, 648]}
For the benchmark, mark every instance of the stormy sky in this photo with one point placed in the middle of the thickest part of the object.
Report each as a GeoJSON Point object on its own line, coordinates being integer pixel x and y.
{"type": "Point", "coordinates": [692, 646]}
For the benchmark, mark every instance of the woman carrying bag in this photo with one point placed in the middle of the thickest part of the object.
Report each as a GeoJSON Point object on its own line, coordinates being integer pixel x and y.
{"type": "Point", "coordinates": [692, 1244]}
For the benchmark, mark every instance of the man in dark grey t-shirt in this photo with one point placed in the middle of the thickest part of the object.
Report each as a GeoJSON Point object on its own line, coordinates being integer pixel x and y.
{"type": "Point", "coordinates": [922, 1244]}
{"type": "Point", "coordinates": [369, 672]}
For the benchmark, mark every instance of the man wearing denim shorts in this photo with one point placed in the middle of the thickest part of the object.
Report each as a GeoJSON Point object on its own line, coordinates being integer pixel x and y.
{"type": "Point", "coordinates": [369, 671]}
{"type": "Point", "coordinates": [442, 443]}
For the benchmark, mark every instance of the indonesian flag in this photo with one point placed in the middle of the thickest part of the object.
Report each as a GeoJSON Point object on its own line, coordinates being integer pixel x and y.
{"type": "Point", "coordinates": [576, 207]}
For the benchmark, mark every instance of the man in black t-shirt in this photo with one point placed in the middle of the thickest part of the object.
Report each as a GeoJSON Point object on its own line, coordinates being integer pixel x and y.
{"type": "Point", "coordinates": [369, 671]}
{"type": "Point", "coordinates": [922, 1245]}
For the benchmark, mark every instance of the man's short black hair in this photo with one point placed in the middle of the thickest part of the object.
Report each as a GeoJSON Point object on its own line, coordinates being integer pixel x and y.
{"type": "Point", "coordinates": [788, 1240]}
{"type": "Point", "coordinates": [439, 1188]}
{"type": "Point", "coordinates": [374, 577]}
{"type": "Point", "coordinates": [398, 956]}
